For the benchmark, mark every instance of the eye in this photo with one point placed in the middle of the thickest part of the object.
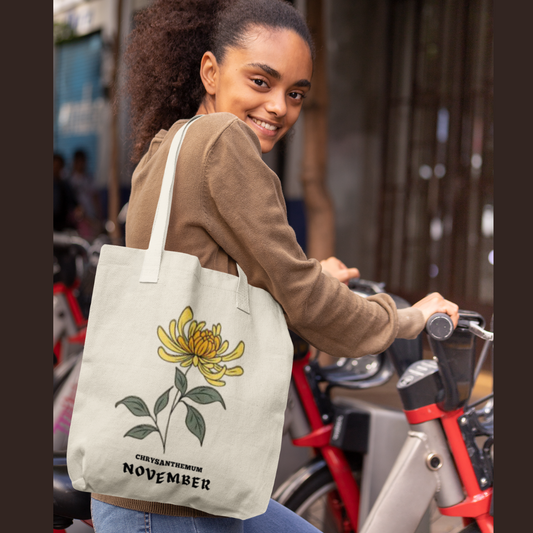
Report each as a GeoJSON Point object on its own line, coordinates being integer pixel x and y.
{"type": "Point", "coordinates": [260, 83]}
{"type": "Point", "coordinates": [297, 96]}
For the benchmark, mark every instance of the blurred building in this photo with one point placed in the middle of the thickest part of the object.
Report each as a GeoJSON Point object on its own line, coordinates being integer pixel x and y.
{"type": "Point", "coordinates": [410, 144]}
{"type": "Point", "coordinates": [84, 31]}
{"type": "Point", "coordinates": [410, 133]}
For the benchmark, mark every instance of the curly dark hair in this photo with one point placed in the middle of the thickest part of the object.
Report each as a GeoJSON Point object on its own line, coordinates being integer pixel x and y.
{"type": "Point", "coordinates": [165, 49]}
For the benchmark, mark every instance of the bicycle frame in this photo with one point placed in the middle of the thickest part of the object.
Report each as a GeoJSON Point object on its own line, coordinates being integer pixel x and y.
{"type": "Point", "coordinates": [477, 503]}
{"type": "Point", "coordinates": [402, 498]}
{"type": "Point", "coordinates": [425, 469]}
{"type": "Point", "coordinates": [68, 322]}
{"type": "Point", "coordinates": [380, 435]}
{"type": "Point", "coordinates": [412, 483]}
{"type": "Point", "coordinates": [319, 439]}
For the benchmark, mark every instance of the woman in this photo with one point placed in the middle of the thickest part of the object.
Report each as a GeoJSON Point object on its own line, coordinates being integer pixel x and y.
{"type": "Point", "coordinates": [246, 65]}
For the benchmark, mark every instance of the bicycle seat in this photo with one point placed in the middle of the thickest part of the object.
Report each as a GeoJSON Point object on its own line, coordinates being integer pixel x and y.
{"type": "Point", "coordinates": [356, 369]}
{"type": "Point", "coordinates": [69, 503]}
{"type": "Point", "coordinates": [362, 373]}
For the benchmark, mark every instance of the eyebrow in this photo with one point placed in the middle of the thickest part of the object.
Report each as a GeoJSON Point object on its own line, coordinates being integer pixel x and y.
{"type": "Point", "coordinates": [275, 74]}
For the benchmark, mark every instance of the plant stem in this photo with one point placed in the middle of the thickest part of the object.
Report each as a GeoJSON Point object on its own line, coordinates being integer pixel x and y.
{"type": "Point", "coordinates": [174, 405]}
{"type": "Point", "coordinates": [158, 430]}
{"type": "Point", "coordinates": [169, 415]}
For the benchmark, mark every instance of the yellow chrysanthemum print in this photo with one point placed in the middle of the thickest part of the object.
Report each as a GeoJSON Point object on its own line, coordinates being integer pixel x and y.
{"type": "Point", "coordinates": [200, 347]}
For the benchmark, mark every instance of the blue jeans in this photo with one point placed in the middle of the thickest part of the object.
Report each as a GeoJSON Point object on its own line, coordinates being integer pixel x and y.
{"type": "Point", "coordinates": [277, 519]}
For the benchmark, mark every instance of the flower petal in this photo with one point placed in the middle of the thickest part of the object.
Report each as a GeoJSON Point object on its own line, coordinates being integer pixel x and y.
{"type": "Point", "coordinates": [202, 347]}
{"type": "Point", "coordinates": [215, 383]}
{"type": "Point", "coordinates": [211, 375]}
{"type": "Point", "coordinates": [235, 371]}
{"type": "Point", "coordinates": [172, 330]}
{"type": "Point", "coordinates": [216, 341]}
{"type": "Point", "coordinates": [166, 356]}
{"type": "Point", "coordinates": [223, 348]}
{"type": "Point", "coordinates": [186, 316]}
{"type": "Point", "coordinates": [192, 328]}
{"type": "Point", "coordinates": [190, 344]}
{"type": "Point", "coordinates": [167, 341]}
{"type": "Point", "coordinates": [183, 345]}
{"type": "Point", "coordinates": [235, 354]}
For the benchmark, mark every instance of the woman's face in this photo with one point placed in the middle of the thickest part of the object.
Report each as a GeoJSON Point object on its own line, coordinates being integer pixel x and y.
{"type": "Point", "coordinates": [263, 83]}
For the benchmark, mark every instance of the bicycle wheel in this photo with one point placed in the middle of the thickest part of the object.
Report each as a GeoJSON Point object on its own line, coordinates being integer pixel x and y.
{"type": "Point", "coordinates": [318, 502]}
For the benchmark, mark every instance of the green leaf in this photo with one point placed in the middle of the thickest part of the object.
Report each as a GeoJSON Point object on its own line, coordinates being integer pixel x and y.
{"type": "Point", "coordinates": [140, 432]}
{"type": "Point", "coordinates": [195, 423]}
{"type": "Point", "coordinates": [162, 402]}
{"type": "Point", "coordinates": [135, 405]}
{"type": "Point", "coordinates": [180, 380]}
{"type": "Point", "coordinates": [205, 395]}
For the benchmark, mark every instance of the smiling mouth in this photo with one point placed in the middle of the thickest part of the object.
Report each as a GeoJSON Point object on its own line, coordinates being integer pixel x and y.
{"type": "Point", "coordinates": [265, 125]}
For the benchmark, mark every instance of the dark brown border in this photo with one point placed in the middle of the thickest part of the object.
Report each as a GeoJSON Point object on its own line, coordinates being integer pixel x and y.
{"type": "Point", "coordinates": [26, 264]}
{"type": "Point", "coordinates": [513, 175]}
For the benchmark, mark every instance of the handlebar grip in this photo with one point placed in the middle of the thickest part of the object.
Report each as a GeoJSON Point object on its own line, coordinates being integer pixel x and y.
{"type": "Point", "coordinates": [439, 326]}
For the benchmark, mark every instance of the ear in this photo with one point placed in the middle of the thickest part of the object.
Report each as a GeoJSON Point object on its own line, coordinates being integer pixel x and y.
{"type": "Point", "coordinates": [209, 72]}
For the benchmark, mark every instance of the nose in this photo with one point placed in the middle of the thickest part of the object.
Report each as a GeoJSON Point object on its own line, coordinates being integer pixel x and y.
{"type": "Point", "coordinates": [277, 104]}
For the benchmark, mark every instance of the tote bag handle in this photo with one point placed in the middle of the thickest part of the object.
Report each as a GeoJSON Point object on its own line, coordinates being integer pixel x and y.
{"type": "Point", "coordinates": [158, 237]}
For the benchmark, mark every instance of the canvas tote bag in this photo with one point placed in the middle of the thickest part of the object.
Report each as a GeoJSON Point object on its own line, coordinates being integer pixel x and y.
{"type": "Point", "coordinates": [184, 380]}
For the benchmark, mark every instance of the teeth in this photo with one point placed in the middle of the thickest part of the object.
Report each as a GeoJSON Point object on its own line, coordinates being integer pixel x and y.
{"type": "Point", "coordinates": [265, 125]}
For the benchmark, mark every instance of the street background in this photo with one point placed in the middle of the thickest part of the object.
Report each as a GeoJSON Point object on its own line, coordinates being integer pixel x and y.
{"type": "Point", "coordinates": [389, 167]}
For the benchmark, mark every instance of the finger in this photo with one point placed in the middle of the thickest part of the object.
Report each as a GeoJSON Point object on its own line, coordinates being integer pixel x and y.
{"type": "Point", "coordinates": [347, 274]}
{"type": "Point", "coordinates": [353, 273]}
{"type": "Point", "coordinates": [453, 311]}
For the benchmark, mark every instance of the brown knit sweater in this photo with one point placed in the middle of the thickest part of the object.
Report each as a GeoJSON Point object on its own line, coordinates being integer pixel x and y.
{"type": "Point", "coordinates": [228, 207]}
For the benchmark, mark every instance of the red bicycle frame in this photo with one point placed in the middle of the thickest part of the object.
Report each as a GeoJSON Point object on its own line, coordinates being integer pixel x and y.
{"type": "Point", "coordinates": [476, 505]}
{"type": "Point", "coordinates": [77, 315]}
{"type": "Point", "coordinates": [319, 439]}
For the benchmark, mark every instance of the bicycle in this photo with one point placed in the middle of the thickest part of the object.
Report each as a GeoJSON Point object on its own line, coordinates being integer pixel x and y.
{"type": "Point", "coordinates": [71, 254]}
{"type": "Point", "coordinates": [327, 495]}
{"type": "Point", "coordinates": [74, 271]}
{"type": "Point", "coordinates": [75, 261]}
{"type": "Point", "coordinates": [443, 457]}
{"type": "Point", "coordinates": [355, 442]}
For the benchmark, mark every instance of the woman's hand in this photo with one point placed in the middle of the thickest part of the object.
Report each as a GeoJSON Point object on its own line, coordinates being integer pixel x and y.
{"type": "Point", "coordinates": [435, 303]}
{"type": "Point", "coordinates": [336, 268]}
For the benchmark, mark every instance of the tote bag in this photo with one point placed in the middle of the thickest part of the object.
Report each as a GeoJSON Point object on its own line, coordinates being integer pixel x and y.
{"type": "Point", "coordinates": [184, 380]}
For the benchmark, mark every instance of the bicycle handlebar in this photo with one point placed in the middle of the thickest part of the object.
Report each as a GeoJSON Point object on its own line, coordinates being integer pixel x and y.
{"type": "Point", "coordinates": [454, 350]}
{"type": "Point", "coordinates": [480, 332]}
{"type": "Point", "coordinates": [439, 326]}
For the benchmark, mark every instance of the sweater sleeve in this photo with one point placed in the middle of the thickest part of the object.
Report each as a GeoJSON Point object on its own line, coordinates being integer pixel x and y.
{"type": "Point", "coordinates": [245, 213]}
